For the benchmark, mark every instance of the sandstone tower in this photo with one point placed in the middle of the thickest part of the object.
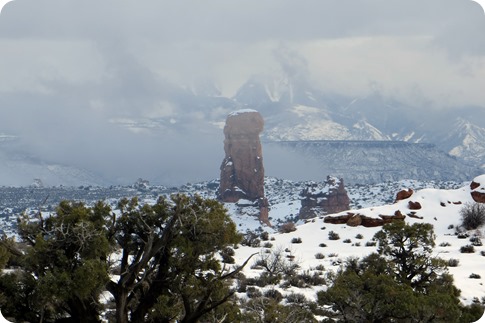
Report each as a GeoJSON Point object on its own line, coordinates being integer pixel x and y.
{"type": "Point", "coordinates": [242, 171]}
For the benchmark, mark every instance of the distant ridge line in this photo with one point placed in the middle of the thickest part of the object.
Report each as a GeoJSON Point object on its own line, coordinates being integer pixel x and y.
{"type": "Point", "coordinates": [357, 142]}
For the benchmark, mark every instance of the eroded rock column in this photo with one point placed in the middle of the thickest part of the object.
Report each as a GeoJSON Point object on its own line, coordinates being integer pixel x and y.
{"type": "Point", "coordinates": [242, 171]}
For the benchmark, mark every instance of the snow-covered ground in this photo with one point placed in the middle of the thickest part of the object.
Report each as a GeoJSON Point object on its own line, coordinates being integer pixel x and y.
{"type": "Point", "coordinates": [440, 207]}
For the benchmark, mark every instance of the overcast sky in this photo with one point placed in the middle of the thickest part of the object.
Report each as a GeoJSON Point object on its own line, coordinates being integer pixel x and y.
{"type": "Point", "coordinates": [69, 67]}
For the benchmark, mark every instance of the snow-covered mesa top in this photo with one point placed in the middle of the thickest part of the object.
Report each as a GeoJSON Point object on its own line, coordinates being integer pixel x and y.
{"type": "Point", "coordinates": [241, 111]}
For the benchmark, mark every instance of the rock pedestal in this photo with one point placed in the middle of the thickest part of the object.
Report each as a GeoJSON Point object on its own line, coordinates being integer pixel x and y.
{"type": "Point", "coordinates": [242, 171]}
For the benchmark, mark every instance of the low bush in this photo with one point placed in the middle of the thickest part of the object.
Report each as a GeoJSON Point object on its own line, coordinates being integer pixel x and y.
{"type": "Point", "coordinates": [319, 255]}
{"type": "Point", "coordinates": [333, 235]}
{"type": "Point", "coordinates": [274, 294]}
{"type": "Point", "coordinates": [296, 298]}
{"type": "Point", "coordinates": [474, 276]}
{"type": "Point", "coordinates": [472, 215]}
{"type": "Point", "coordinates": [296, 240]}
{"type": "Point", "coordinates": [476, 241]}
{"type": "Point", "coordinates": [253, 292]}
{"type": "Point", "coordinates": [467, 249]}
{"type": "Point", "coordinates": [453, 262]}
{"type": "Point", "coordinates": [370, 244]}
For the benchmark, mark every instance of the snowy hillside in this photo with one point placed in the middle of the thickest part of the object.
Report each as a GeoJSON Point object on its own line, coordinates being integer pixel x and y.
{"type": "Point", "coordinates": [440, 207]}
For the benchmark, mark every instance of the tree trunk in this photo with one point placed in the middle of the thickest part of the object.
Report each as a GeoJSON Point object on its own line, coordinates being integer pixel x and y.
{"type": "Point", "coordinates": [122, 307]}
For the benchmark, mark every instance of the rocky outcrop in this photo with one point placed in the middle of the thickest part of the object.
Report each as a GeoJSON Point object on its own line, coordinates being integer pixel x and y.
{"type": "Point", "coordinates": [353, 220]}
{"type": "Point", "coordinates": [324, 198]}
{"type": "Point", "coordinates": [477, 187]}
{"type": "Point", "coordinates": [404, 194]}
{"type": "Point", "coordinates": [242, 171]}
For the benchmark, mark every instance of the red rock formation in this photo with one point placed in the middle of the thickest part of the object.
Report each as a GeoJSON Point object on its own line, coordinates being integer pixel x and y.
{"type": "Point", "coordinates": [352, 219]}
{"type": "Point", "coordinates": [478, 189]}
{"type": "Point", "coordinates": [404, 194]}
{"type": "Point", "coordinates": [242, 171]}
{"type": "Point", "coordinates": [324, 198]}
{"type": "Point", "coordinates": [414, 205]}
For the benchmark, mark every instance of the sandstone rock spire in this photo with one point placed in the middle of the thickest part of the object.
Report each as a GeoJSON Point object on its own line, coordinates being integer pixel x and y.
{"type": "Point", "coordinates": [242, 171]}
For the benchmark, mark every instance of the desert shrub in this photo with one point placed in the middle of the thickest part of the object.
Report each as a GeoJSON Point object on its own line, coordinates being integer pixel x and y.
{"type": "Point", "coordinates": [357, 244]}
{"type": "Point", "coordinates": [370, 244]}
{"type": "Point", "coordinates": [333, 254]}
{"type": "Point", "coordinates": [264, 236]}
{"type": "Point", "coordinates": [474, 276]}
{"type": "Point", "coordinates": [266, 279]}
{"type": "Point", "coordinates": [227, 255]}
{"type": "Point", "coordinates": [445, 244]}
{"type": "Point", "coordinates": [359, 236]}
{"type": "Point", "coordinates": [467, 249]}
{"type": "Point", "coordinates": [296, 298]}
{"type": "Point", "coordinates": [287, 227]}
{"type": "Point", "coordinates": [323, 245]}
{"type": "Point", "coordinates": [320, 268]}
{"type": "Point", "coordinates": [251, 239]}
{"type": "Point", "coordinates": [462, 235]}
{"type": "Point", "coordinates": [453, 262]}
{"type": "Point", "coordinates": [253, 292]}
{"type": "Point", "coordinates": [451, 226]}
{"type": "Point", "coordinates": [333, 235]}
{"type": "Point", "coordinates": [268, 245]}
{"type": "Point", "coordinates": [482, 253]}
{"type": "Point", "coordinates": [476, 241]}
{"type": "Point", "coordinates": [347, 241]}
{"type": "Point", "coordinates": [319, 255]}
{"type": "Point", "coordinates": [472, 215]}
{"type": "Point", "coordinates": [296, 240]}
{"type": "Point", "coordinates": [274, 294]}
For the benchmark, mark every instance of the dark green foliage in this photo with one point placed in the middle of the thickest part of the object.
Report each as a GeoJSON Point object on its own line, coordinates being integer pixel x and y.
{"type": "Point", "coordinates": [296, 240]}
{"type": "Point", "coordinates": [174, 244]}
{"type": "Point", "coordinates": [269, 310]}
{"type": "Point", "coordinates": [409, 247]}
{"type": "Point", "coordinates": [168, 268]}
{"type": "Point", "coordinates": [67, 254]}
{"type": "Point", "coordinates": [403, 283]}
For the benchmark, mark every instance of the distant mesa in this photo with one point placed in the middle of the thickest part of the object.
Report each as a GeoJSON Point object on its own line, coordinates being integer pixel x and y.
{"type": "Point", "coordinates": [242, 171]}
{"type": "Point", "coordinates": [323, 198]}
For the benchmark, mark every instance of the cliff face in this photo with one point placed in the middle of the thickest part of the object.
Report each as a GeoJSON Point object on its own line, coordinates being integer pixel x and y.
{"type": "Point", "coordinates": [242, 171]}
{"type": "Point", "coordinates": [325, 198]}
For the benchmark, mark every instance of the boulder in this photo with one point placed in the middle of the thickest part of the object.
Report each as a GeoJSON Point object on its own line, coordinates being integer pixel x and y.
{"type": "Point", "coordinates": [404, 194]}
{"type": "Point", "coordinates": [477, 187]}
{"type": "Point", "coordinates": [414, 205]}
